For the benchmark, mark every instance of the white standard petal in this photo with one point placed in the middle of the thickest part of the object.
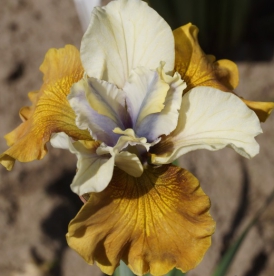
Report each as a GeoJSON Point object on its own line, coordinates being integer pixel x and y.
{"type": "Point", "coordinates": [99, 113]}
{"type": "Point", "coordinates": [145, 94]}
{"type": "Point", "coordinates": [94, 171]}
{"type": "Point", "coordinates": [106, 99]}
{"type": "Point", "coordinates": [210, 119]}
{"type": "Point", "coordinates": [164, 122]}
{"type": "Point", "coordinates": [122, 36]}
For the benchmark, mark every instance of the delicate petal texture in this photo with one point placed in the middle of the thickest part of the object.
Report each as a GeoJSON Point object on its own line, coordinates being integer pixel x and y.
{"type": "Point", "coordinates": [118, 40]}
{"type": "Point", "coordinates": [210, 119]}
{"type": "Point", "coordinates": [60, 140]}
{"type": "Point", "coordinates": [104, 97]}
{"type": "Point", "coordinates": [25, 114]}
{"type": "Point", "coordinates": [129, 163]}
{"type": "Point", "coordinates": [262, 109]}
{"type": "Point", "coordinates": [153, 223]}
{"type": "Point", "coordinates": [98, 106]}
{"type": "Point", "coordinates": [50, 113]}
{"type": "Point", "coordinates": [126, 161]}
{"type": "Point", "coordinates": [129, 138]}
{"type": "Point", "coordinates": [198, 69]}
{"type": "Point", "coordinates": [94, 171]}
{"type": "Point", "coordinates": [165, 121]}
{"type": "Point", "coordinates": [145, 94]}
{"type": "Point", "coordinates": [26, 111]}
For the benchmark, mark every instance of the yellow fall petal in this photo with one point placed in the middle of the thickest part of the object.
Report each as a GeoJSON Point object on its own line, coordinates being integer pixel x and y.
{"type": "Point", "coordinates": [26, 111]}
{"type": "Point", "coordinates": [199, 69]}
{"type": "Point", "coordinates": [50, 111]}
{"type": "Point", "coordinates": [153, 223]}
{"type": "Point", "coordinates": [262, 109]}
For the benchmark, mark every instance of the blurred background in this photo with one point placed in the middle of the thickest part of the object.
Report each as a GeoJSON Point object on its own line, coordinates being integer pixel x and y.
{"type": "Point", "coordinates": [36, 203]}
{"type": "Point", "coordinates": [241, 30]}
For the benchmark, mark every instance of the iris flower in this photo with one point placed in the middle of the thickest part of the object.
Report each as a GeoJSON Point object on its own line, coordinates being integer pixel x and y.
{"type": "Point", "coordinates": [136, 98]}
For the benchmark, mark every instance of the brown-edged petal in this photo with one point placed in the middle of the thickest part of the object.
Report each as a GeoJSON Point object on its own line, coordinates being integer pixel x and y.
{"type": "Point", "coordinates": [50, 111]}
{"type": "Point", "coordinates": [199, 69]}
{"type": "Point", "coordinates": [153, 223]}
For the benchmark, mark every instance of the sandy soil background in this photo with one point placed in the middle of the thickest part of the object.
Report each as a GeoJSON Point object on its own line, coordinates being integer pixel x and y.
{"type": "Point", "coordinates": [36, 203]}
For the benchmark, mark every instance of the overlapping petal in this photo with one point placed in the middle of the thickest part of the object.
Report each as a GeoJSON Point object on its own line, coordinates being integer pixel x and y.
{"type": "Point", "coordinates": [94, 171]}
{"type": "Point", "coordinates": [145, 94]}
{"type": "Point", "coordinates": [210, 119]}
{"type": "Point", "coordinates": [129, 138]}
{"type": "Point", "coordinates": [50, 113]}
{"type": "Point", "coordinates": [126, 161]}
{"type": "Point", "coordinates": [153, 223]}
{"type": "Point", "coordinates": [60, 140]}
{"type": "Point", "coordinates": [199, 69]}
{"type": "Point", "coordinates": [129, 163]}
{"type": "Point", "coordinates": [100, 107]}
{"type": "Point", "coordinates": [118, 40]}
{"type": "Point", "coordinates": [153, 101]}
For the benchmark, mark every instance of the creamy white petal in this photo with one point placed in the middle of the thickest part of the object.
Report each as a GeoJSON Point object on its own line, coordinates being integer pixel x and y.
{"type": "Point", "coordinates": [103, 97]}
{"type": "Point", "coordinates": [164, 122]}
{"type": "Point", "coordinates": [100, 126]}
{"type": "Point", "coordinates": [122, 36]}
{"type": "Point", "coordinates": [210, 119]}
{"type": "Point", "coordinates": [129, 163]}
{"type": "Point", "coordinates": [60, 140]}
{"type": "Point", "coordinates": [129, 138]}
{"type": "Point", "coordinates": [126, 161]}
{"type": "Point", "coordinates": [106, 99]}
{"type": "Point", "coordinates": [94, 171]}
{"type": "Point", "coordinates": [145, 94]}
